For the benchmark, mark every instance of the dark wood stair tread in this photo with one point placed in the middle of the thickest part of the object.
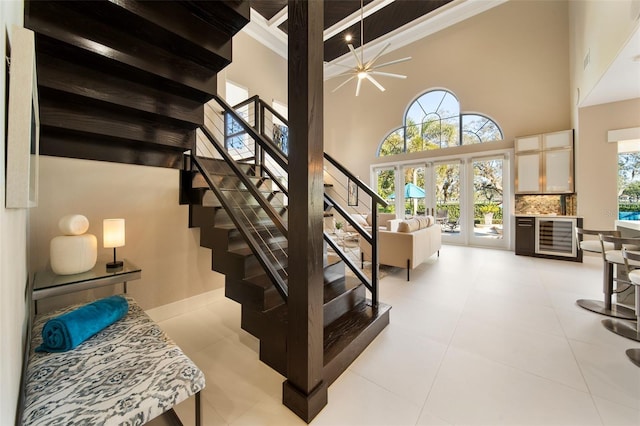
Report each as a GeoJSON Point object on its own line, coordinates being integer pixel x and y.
{"type": "Point", "coordinates": [349, 335]}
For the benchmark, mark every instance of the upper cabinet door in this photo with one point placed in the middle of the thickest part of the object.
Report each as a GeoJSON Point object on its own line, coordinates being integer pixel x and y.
{"type": "Point", "coordinates": [558, 171]}
{"type": "Point", "coordinates": [528, 143]}
{"type": "Point", "coordinates": [528, 173]}
{"type": "Point", "coordinates": [558, 140]}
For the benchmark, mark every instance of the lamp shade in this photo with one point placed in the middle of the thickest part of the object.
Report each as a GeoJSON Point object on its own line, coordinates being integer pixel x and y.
{"type": "Point", "coordinates": [113, 233]}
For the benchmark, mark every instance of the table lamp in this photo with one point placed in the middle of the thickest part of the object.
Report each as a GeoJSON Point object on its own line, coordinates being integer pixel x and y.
{"type": "Point", "coordinates": [113, 236]}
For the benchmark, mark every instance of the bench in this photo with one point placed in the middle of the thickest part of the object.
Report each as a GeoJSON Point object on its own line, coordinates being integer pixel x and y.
{"type": "Point", "coordinates": [128, 373]}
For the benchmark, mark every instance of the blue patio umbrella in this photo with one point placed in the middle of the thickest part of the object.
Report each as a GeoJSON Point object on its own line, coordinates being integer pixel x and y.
{"type": "Point", "coordinates": [410, 191]}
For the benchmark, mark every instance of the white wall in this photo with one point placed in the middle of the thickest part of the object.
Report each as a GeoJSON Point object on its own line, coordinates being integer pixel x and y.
{"type": "Point", "coordinates": [601, 28]}
{"type": "Point", "coordinates": [597, 160]}
{"type": "Point", "coordinates": [257, 68]}
{"type": "Point", "coordinates": [13, 255]}
{"type": "Point", "coordinates": [158, 239]}
{"type": "Point", "coordinates": [509, 63]}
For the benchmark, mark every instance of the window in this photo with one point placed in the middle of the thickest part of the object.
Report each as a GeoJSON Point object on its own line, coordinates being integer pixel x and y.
{"type": "Point", "coordinates": [434, 121]}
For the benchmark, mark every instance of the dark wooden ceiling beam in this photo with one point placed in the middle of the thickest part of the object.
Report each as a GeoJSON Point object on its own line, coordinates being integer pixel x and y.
{"type": "Point", "coordinates": [386, 20]}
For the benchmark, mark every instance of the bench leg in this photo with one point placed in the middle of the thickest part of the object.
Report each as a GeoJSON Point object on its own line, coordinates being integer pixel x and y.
{"type": "Point", "coordinates": [408, 269]}
{"type": "Point", "coordinates": [198, 410]}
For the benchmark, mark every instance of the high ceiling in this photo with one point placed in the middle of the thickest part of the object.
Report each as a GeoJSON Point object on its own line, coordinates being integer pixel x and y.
{"type": "Point", "coordinates": [342, 17]}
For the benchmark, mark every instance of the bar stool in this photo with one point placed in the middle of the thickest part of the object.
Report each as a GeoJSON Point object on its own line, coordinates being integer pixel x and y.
{"type": "Point", "coordinates": [605, 307]}
{"type": "Point", "coordinates": [625, 328]}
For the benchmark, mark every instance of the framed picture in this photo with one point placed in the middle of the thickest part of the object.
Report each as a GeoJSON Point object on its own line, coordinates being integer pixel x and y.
{"type": "Point", "coordinates": [352, 196]}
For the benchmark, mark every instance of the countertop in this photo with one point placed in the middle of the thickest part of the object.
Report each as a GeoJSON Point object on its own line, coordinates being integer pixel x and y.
{"type": "Point", "coordinates": [630, 224]}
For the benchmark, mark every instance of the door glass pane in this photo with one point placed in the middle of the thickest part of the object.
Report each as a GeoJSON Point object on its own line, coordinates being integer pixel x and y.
{"type": "Point", "coordinates": [386, 188]}
{"type": "Point", "coordinates": [448, 197]}
{"type": "Point", "coordinates": [414, 193]}
{"type": "Point", "coordinates": [487, 198]}
{"type": "Point", "coordinates": [629, 185]}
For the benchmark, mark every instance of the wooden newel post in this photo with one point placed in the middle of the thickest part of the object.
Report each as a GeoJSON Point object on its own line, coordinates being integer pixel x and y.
{"type": "Point", "coordinates": [305, 392]}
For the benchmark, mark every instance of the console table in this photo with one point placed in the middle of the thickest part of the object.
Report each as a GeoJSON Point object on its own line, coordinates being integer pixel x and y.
{"type": "Point", "coordinates": [46, 283]}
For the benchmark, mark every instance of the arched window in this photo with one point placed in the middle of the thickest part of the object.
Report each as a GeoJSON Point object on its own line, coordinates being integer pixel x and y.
{"type": "Point", "coordinates": [434, 121]}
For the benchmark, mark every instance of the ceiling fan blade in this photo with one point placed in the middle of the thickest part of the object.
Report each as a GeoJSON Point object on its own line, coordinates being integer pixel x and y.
{"type": "Point", "coordinates": [397, 61]}
{"type": "Point", "coordinates": [374, 81]}
{"type": "Point", "coordinates": [355, 54]}
{"type": "Point", "coordinates": [352, 72]}
{"type": "Point", "coordinates": [388, 74]}
{"type": "Point", "coordinates": [386, 46]}
{"type": "Point", "coordinates": [344, 82]}
{"type": "Point", "coordinates": [338, 65]}
{"type": "Point", "coordinates": [358, 86]}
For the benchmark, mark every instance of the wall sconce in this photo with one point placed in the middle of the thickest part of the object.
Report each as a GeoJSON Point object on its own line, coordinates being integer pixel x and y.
{"type": "Point", "coordinates": [113, 236]}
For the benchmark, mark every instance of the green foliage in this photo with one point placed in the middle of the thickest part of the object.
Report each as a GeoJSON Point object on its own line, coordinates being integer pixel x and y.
{"type": "Point", "coordinates": [453, 210]}
{"type": "Point", "coordinates": [488, 208]}
{"type": "Point", "coordinates": [479, 211]}
{"type": "Point", "coordinates": [628, 170]}
{"type": "Point", "coordinates": [632, 190]}
{"type": "Point", "coordinates": [630, 207]}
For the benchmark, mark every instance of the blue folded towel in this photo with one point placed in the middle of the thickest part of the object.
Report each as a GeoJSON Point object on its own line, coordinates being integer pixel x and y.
{"type": "Point", "coordinates": [67, 331]}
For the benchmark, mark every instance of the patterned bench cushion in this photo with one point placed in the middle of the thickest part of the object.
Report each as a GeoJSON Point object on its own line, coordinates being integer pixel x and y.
{"type": "Point", "coordinates": [128, 373]}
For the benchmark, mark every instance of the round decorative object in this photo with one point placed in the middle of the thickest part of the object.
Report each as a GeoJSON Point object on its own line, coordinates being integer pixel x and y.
{"type": "Point", "coordinates": [73, 224]}
{"type": "Point", "coordinates": [72, 254]}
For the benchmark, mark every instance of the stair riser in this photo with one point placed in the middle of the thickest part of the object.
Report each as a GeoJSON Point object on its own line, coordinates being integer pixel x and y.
{"type": "Point", "coordinates": [252, 297]}
{"type": "Point", "coordinates": [238, 267]}
{"type": "Point", "coordinates": [342, 304]}
{"type": "Point", "coordinates": [225, 239]}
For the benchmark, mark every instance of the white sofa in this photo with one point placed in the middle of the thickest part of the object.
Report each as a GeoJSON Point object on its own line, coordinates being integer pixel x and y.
{"type": "Point", "coordinates": [386, 221]}
{"type": "Point", "coordinates": [412, 243]}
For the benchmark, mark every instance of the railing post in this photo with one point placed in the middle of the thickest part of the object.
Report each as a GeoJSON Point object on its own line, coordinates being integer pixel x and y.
{"type": "Point", "coordinates": [375, 266]}
{"type": "Point", "coordinates": [258, 152]}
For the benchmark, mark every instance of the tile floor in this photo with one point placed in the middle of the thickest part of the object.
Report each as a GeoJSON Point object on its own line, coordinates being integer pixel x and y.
{"type": "Point", "coordinates": [478, 337]}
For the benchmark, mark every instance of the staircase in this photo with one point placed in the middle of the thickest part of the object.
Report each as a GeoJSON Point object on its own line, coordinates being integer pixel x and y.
{"type": "Point", "coordinates": [350, 320]}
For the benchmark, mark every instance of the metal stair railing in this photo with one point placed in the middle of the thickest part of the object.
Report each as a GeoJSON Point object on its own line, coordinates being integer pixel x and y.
{"type": "Point", "coordinates": [242, 210]}
{"type": "Point", "coordinates": [273, 128]}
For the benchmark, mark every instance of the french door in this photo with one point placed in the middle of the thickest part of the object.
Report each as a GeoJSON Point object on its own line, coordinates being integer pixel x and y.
{"type": "Point", "coordinates": [487, 201]}
{"type": "Point", "coordinates": [468, 196]}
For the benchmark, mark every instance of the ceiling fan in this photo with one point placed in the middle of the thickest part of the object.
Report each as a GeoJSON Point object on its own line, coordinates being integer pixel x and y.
{"type": "Point", "coordinates": [367, 70]}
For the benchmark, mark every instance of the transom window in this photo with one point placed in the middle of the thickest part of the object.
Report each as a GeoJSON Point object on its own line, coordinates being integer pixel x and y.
{"type": "Point", "coordinates": [434, 121]}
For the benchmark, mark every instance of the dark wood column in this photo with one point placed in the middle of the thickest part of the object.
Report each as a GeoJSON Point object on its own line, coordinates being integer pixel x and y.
{"type": "Point", "coordinates": [304, 392]}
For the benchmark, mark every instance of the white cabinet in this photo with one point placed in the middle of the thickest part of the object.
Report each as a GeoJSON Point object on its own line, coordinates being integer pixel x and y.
{"type": "Point", "coordinates": [544, 163]}
{"type": "Point", "coordinates": [528, 173]}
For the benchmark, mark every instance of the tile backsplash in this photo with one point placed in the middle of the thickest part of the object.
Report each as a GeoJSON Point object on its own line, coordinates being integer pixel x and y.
{"type": "Point", "coordinates": [546, 204]}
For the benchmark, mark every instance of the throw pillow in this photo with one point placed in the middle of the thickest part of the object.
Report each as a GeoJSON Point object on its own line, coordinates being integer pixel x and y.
{"type": "Point", "coordinates": [409, 225]}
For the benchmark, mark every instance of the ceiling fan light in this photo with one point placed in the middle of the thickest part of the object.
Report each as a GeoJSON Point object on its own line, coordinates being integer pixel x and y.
{"type": "Point", "coordinates": [348, 38]}
{"type": "Point", "coordinates": [362, 74]}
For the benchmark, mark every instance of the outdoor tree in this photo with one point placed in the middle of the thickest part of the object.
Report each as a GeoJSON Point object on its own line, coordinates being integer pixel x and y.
{"type": "Point", "coordinates": [448, 182]}
{"type": "Point", "coordinates": [487, 181]}
{"type": "Point", "coordinates": [633, 191]}
{"type": "Point", "coordinates": [628, 170]}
